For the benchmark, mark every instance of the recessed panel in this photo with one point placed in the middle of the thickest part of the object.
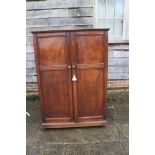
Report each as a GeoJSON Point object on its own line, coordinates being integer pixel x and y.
{"type": "Point", "coordinates": [52, 50]}
{"type": "Point", "coordinates": [89, 48]}
{"type": "Point", "coordinates": [90, 88]}
{"type": "Point", "coordinates": [56, 88]}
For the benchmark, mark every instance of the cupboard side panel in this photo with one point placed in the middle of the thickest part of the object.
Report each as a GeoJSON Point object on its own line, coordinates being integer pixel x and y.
{"type": "Point", "coordinates": [38, 77]}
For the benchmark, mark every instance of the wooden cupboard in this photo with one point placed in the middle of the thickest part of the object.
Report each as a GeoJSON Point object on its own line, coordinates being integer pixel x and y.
{"type": "Point", "coordinates": [72, 67]}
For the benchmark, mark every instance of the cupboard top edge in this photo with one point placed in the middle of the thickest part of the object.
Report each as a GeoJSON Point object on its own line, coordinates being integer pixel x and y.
{"type": "Point", "coordinates": [69, 30]}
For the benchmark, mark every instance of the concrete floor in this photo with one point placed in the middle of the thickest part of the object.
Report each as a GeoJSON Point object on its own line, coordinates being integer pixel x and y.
{"type": "Point", "coordinates": [109, 140]}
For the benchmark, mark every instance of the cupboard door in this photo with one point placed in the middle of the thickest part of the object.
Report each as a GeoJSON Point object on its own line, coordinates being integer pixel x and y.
{"type": "Point", "coordinates": [89, 59]}
{"type": "Point", "coordinates": [54, 77]}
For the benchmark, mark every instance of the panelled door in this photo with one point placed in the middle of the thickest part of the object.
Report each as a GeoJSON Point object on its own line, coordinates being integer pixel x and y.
{"type": "Point", "coordinates": [53, 59]}
{"type": "Point", "coordinates": [89, 75]}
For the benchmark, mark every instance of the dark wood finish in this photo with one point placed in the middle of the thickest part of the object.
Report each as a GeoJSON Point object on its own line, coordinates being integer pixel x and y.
{"type": "Point", "coordinates": [72, 70]}
{"type": "Point", "coordinates": [90, 57]}
{"type": "Point", "coordinates": [55, 78]}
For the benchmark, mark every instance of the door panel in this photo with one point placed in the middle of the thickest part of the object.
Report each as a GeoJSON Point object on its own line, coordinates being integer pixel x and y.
{"type": "Point", "coordinates": [89, 48]}
{"type": "Point", "coordinates": [52, 50]}
{"type": "Point", "coordinates": [90, 90]}
{"type": "Point", "coordinates": [55, 77]}
{"type": "Point", "coordinates": [56, 94]}
{"type": "Point", "coordinates": [89, 61]}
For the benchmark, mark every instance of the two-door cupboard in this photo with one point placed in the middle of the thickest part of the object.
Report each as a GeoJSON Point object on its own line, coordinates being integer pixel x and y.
{"type": "Point", "coordinates": [72, 67]}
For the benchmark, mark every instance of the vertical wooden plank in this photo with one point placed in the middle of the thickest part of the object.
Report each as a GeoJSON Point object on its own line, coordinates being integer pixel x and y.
{"type": "Point", "coordinates": [74, 84]}
{"type": "Point", "coordinates": [69, 67]}
{"type": "Point", "coordinates": [38, 76]}
{"type": "Point", "coordinates": [106, 68]}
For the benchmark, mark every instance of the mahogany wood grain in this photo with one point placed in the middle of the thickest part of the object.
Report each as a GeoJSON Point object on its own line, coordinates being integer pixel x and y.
{"type": "Point", "coordinates": [60, 55]}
